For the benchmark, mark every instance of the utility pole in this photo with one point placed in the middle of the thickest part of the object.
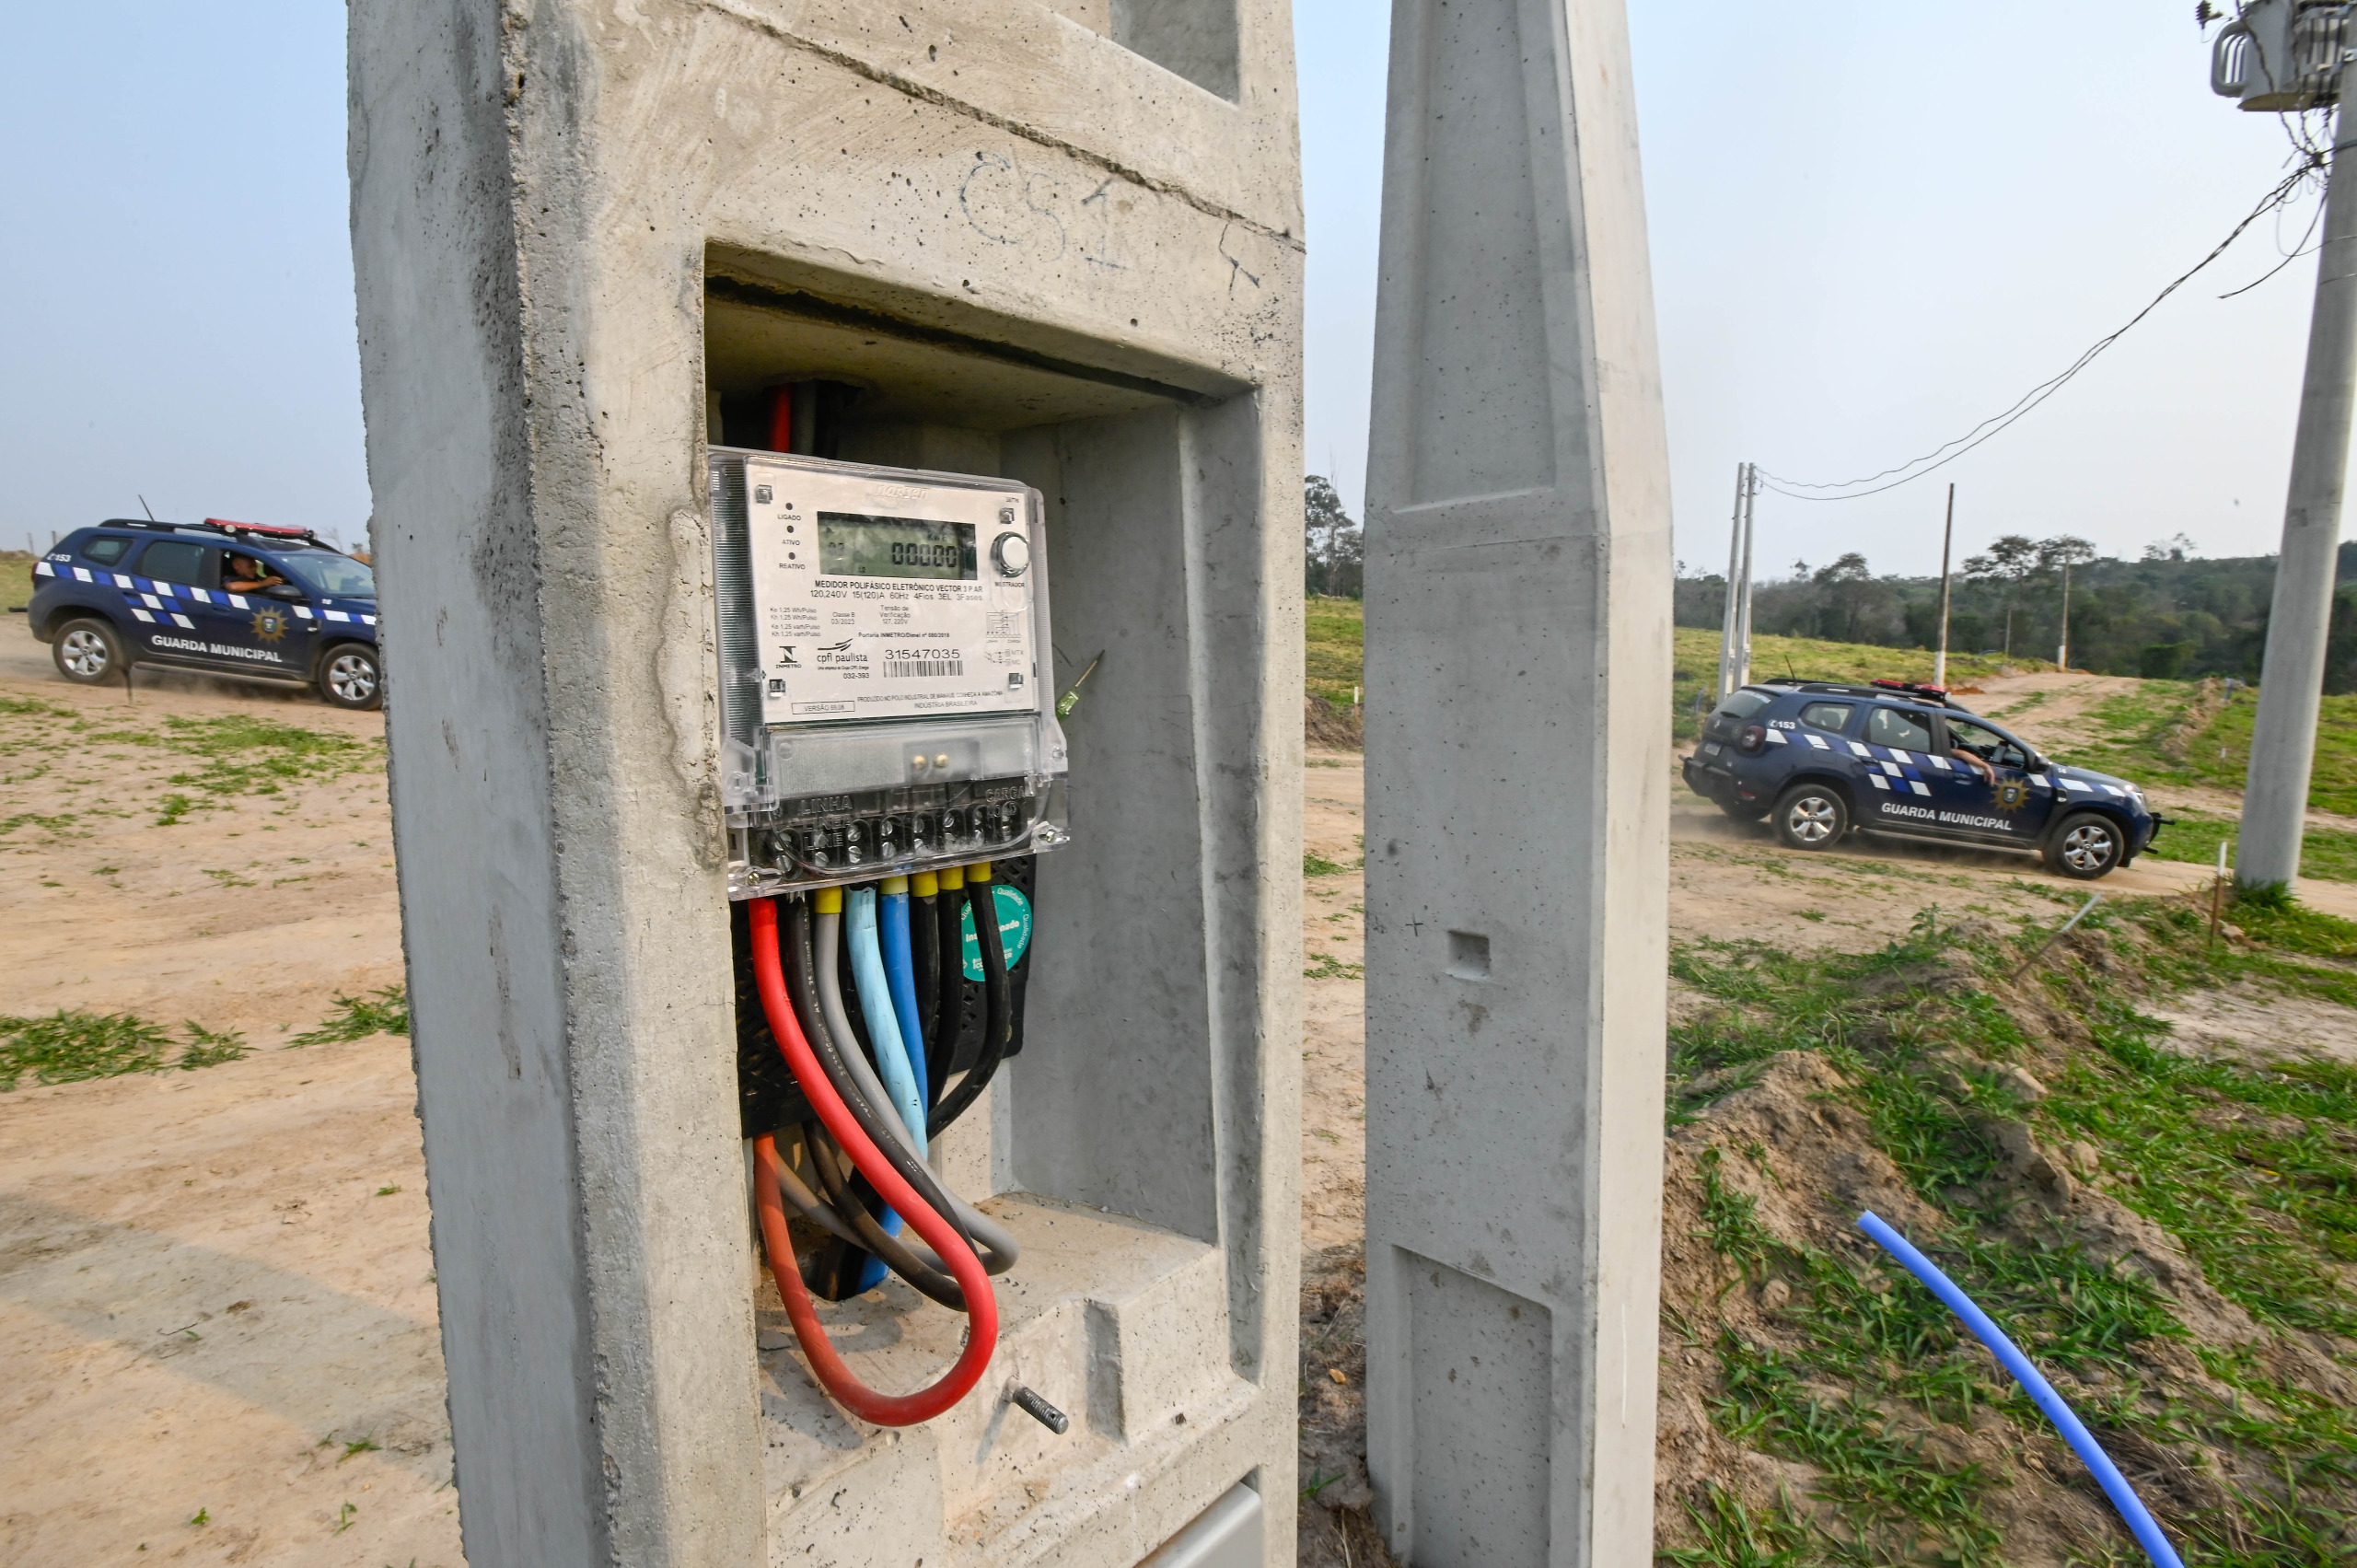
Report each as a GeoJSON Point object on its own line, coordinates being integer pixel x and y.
{"type": "Point", "coordinates": [2063, 654]}
{"type": "Point", "coordinates": [2279, 55]}
{"type": "Point", "coordinates": [1743, 623]}
{"type": "Point", "coordinates": [1947, 543]}
{"type": "Point", "coordinates": [1731, 613]}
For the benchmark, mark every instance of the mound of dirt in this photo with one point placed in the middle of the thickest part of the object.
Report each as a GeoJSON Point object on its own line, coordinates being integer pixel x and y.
{"type": "Point", "coordinates": [1334, 728]}
{"type": "Point", "coordinates": [1812, 1394]}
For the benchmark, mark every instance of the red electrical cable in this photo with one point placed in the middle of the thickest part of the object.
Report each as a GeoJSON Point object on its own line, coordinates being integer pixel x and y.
{"type": "Point", "coordinates": [981, 1306]}
{"type": "Point", "coordinates": [781, 419]}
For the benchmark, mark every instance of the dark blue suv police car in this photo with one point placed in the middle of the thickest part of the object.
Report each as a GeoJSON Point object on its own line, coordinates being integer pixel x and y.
{"type": "Point", "coordinates": [228, 598]}
{"type": "Point", "coordinates": [1820, 759]}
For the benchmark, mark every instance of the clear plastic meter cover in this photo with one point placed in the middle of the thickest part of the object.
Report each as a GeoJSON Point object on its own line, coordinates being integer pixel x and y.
{"type": "Point", "coordinates": [886, 685]}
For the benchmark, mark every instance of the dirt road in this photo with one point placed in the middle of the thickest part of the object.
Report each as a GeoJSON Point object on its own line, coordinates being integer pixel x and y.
{"type": "Point", "coordinates": [218, 1341]}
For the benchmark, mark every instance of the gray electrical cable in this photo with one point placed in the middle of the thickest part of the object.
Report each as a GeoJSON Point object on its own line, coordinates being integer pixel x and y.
{"type": "Point", "coordinates": [814, 1209]}
{"type": "Point", "coordinates": [901, 1255]}
{"type": "Point", "coordinates": [988, 1234]}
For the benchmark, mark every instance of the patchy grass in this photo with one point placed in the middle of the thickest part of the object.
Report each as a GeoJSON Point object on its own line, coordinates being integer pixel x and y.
{"type": "Point", "coordinates": [2326, 853]}
{"type": "Point", "coordinates": [2250, 1167]}
{"type": "Point", "coordinates": [242, 754]}
{"type": "Point", "coordinates": [1325, 966]}
{"type": "Point", "coordinates": [217, 759]}
{"type": "Point", "coordinates": [382, 1011]}
{"type": "Point", "coordinates": [71, 1045]}
{"type": "Point", "coordinates": [1335, 648]}
{"type": "Point", "coordinates": [1315, 864]}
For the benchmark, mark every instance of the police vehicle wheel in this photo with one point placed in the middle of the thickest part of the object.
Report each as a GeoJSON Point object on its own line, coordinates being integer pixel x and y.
{"type": "Point", "coordinates": [1811, 816]}
{"type": "Point", "coordinates": [2085, 846]}
{"type": "Point", "coordinates": [87, 652]}
{"type": "Point", "coordinates": [351, 678]}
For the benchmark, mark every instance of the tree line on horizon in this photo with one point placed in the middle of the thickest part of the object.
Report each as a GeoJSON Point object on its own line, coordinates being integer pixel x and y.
{"type": "Point", "coordinates": [2169, 615]}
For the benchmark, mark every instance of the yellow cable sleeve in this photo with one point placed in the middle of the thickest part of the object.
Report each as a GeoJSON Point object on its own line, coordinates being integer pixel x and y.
{"type": "Point", "coordinates": [952, 878]}
{"type": "Point", "coordinates": [829, 900]}
{"type": "Point", "coordinates": [896, 884]}
{"type": "Point", "coordinates": [978, 872]}
{"type": "Point", "coordinates": [926, 885]}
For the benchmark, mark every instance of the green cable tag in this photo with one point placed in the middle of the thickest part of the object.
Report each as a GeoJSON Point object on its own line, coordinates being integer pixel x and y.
{"type": "Point", "coordinates": [1014, 929]}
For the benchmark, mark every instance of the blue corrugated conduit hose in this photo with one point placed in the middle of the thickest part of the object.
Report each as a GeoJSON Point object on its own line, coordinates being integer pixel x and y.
{"type": "Point", "coordinates": [900, 974]}
{"type": "Point", "coordinates": [2132, 1511]}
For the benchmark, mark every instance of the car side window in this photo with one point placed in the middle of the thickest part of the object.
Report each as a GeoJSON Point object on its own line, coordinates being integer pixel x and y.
{"type": "Point", "coordinates": [105, 551]}
{"type": "Point", "coordinates": [169, 560]}
{"type": "Point", "coordinates": [1986, 743]}
{"type": "Point", "coordinates": [1899, 731]}
{"type": "Point", "coordinates": [1831, 717]}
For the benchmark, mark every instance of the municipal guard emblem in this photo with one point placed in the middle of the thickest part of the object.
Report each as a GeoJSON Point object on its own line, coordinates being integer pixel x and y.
{"type": "Point", "coordinates": [2011, 793]}
{"type": "Point", "coordinates": [270, 624]}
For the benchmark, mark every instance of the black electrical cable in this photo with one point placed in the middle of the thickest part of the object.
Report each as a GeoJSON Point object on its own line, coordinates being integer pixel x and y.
{"type": "Point", "coordinates": [949, 1026]}
{"type": "Point", "coordinates": [998, 1011]}
{"type": "Point", "coordinates": [811, 1207]}
{"type": "Point", "coordinates": [1950, 452]}
{"type": "Point", "coordinates": [932, 1283]}
{"type": "Point", "coordinates": [801, 964]}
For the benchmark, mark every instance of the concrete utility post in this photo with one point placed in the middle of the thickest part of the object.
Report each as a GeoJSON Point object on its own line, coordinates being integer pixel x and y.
{"type": "Point", "coordinates": [1058, 244]}
{"type": "Point", "coordinates": [1947, 544]}
{"type": "Point", "coordinates": [1518, 642]}
{"type": "Point", "coordinates": [1731, 617]}
{"type": "Point", "coordinates": [2278, 55]}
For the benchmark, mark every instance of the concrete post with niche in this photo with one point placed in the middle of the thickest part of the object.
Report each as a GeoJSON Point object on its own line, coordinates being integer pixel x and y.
{"type": "Point", "coordinates": [1059, 244]}
{"type": "Point", "coordinates": [1517, 658]}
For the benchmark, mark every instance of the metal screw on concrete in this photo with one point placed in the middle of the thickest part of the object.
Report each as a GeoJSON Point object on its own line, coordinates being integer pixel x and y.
{"type": "Point", "coordinates": [2283, 740]}
{"type": "Point", "coordinates": [1040, 1411]}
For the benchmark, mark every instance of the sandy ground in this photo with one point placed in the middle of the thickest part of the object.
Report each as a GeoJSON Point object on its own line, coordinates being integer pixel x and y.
{"type": "Point", "coordinates": [205, 1301]}
{"type": "Point", "coordinates": [210, 1296]}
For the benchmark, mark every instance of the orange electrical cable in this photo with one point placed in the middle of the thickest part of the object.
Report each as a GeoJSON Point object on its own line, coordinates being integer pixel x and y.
{"type": "Point", "coordinates": [982, 1306]}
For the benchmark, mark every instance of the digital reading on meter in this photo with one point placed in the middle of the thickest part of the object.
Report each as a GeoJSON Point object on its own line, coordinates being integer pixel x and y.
{"type": "Point", "coordinates": [886, 695]}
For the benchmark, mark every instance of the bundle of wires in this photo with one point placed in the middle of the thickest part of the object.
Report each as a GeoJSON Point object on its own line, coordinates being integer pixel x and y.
{"type": "Point", "coordinates": [876, 1115]}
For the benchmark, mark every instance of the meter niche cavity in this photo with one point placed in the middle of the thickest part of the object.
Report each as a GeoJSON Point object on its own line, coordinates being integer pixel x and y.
{"type": "Point", "coordinates": [886, 696]}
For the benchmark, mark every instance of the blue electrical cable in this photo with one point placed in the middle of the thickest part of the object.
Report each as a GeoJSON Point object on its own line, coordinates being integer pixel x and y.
{"type": "Point", "coordinates": [2123, 1497]}
{"type": "Point", "coordinates": [876, 1007]}
{"type": "Point", "coordinates": [900, 971]}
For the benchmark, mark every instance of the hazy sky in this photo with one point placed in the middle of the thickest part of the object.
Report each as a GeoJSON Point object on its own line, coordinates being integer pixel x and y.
{"type": "Point", "coordinates": [1872, 226]}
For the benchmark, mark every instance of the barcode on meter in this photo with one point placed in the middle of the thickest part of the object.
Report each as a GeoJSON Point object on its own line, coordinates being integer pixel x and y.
{"type": "Point", "coordinates": [918, 667]}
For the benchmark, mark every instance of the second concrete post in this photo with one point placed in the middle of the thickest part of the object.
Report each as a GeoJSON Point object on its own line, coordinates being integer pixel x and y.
{"type": "Point", "coordinates": [1518, 665]}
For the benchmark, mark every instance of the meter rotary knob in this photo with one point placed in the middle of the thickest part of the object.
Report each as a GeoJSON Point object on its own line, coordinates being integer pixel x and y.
{"type": "Point", "coordinates": [1011, 555]}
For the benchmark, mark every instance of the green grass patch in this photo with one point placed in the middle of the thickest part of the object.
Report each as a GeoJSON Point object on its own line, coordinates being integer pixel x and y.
{"type": "Point", "coordinates": [2251, 1166]}
{"type": "Point", "coordinates": [1335, 648]}
{"type": "Point", "coordinates": [1315, 864]}
{"type": "Point", "coordinates": [241, 754]}
{"type": "Point", "coordinates": [1325, 966]}
{"type": "Point", "coordinates": [71, 1045]}
{"type": "Point", "coordinates": [2326, 853]}
{"type": "Point", "coordinates": [382, 1011]}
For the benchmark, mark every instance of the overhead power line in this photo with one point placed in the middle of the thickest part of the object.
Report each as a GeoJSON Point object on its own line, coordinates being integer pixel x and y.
{"type": "Point", "coordinates": [2312, 161]}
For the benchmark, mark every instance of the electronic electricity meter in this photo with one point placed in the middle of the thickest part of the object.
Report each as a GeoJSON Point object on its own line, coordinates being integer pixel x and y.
{"type": "Point", "coordinates": [885, 674]}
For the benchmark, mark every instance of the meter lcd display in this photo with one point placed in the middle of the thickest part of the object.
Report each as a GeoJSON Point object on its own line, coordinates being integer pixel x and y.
{"type": "Point", "coordinates": [855, 544]}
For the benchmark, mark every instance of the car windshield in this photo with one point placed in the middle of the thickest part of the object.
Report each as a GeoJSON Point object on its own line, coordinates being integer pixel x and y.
{"type": "Point", "coordinates": [337, 576]}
